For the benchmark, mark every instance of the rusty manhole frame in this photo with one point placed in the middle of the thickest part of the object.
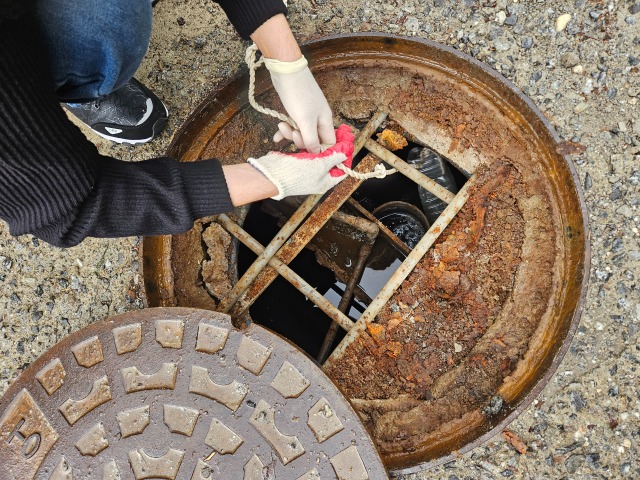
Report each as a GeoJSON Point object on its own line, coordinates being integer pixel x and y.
{"type": "Point", "coordinates": [157, 250]}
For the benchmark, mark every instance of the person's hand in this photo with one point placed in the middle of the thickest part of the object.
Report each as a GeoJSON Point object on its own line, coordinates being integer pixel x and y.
{"type": "Point", "coordinates": [306, 173]}
{"type": "Point", "coordinates": [305, 103]}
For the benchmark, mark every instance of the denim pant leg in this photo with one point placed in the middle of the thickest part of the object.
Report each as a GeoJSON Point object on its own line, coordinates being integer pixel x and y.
{"type": "Point", "coordinates": [94, 46]}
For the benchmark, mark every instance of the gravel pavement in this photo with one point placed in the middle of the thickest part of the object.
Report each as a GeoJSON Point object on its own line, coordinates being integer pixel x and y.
{"type": "Point", "coordinates": [585, 78]}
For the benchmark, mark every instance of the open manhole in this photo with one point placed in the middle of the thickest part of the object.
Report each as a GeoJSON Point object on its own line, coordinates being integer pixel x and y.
{"type": "Point", "coordinates": [476, 314]}
{"type": "Point", "coordinates": [179, 394]}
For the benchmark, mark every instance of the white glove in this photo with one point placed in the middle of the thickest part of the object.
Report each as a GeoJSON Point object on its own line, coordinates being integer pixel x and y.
{"type": "Point", "coordinates": [305, 103]}
{"type": "Point", "coordinates": [306, 173]}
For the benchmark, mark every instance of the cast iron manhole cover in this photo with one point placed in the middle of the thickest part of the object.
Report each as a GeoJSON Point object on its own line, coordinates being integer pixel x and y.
{"type": "Point", "coordinates": [179, 394]}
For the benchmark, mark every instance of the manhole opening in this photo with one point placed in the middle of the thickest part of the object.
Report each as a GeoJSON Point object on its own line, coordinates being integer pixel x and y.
{"type": "Point", "coordinates": [479, 319]}
{"type": "Point", "coordinates": [395, 200]}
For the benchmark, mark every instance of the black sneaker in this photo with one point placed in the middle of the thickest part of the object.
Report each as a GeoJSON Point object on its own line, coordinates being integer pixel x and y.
{"type": "Point", "coordinates": [131, 114]}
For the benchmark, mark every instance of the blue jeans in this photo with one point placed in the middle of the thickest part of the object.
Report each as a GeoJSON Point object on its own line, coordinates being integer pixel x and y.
{"type": "Point", "coordinates": [93, 46]}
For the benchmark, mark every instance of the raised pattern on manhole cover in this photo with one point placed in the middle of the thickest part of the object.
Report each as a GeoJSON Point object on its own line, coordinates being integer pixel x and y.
{"type": "Point", "coordinates": [289, 381]}
{"type": "Point", "coordinates": [133, 421]}
{"type": "Point", "coordinates": [127, 338]}
{"type": "Point", "coordinates": [179, 394]}
{"type": "Point", "coordinates": [52, 376]}
{"type": "Point", "coordinates": [89, 352]}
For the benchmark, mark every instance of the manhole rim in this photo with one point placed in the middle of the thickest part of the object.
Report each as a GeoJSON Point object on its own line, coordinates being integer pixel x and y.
{"type": "Point", "coordinates": [536, 118]}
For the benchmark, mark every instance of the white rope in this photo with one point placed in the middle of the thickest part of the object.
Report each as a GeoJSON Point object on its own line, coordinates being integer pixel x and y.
{"type": "Point", "coordinates": [378, 172]}
{"type": "Point", "coordinates": [250, 57]}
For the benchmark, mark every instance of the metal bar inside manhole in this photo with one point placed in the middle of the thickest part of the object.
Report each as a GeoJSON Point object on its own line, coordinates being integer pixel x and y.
{"type": "Point", "coordinates": [347, 297]}
{"type": "Point", "coordinates": [291, 225]}
{"type": "Point", "coordinates": [292, 277]}
{"type": "Point", "coordinates": [405, 268]}
{"type": "Point", "coordinates": [408, 171]}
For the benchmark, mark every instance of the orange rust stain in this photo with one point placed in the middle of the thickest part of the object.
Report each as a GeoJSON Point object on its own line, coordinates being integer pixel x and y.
{"type": "Point", "coordinates": [394, 349]}
{"type": "Point", "coordinates": [392, 140]}
{"type": "Point", "coordinates": [513, 440]}
{"type": "Point", "coordinates": [395, 321]}
{"type": "Point", "coordinates": [377, 332]}
{"type": "Point", "coordinates": [459, 129]}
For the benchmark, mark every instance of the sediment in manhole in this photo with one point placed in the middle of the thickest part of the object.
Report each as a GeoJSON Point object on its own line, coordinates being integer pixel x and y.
{"type": "Point", "coordinates": [179, 394]}
{"type": "Point", "coordinates": [479, 326]}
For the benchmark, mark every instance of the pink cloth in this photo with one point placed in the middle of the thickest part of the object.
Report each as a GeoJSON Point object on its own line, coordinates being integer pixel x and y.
{"type": "Point", "coordinates": [344, 144]}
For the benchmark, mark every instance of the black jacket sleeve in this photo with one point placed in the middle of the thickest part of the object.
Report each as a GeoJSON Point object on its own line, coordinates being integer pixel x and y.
{"type": "Point", "coordinates": [54, 183]}
{"type": "Point", "coordinates": [247, 15]}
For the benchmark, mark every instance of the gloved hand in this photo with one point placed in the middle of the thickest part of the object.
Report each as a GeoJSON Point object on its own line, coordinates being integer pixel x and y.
{"type": "Point", "coordinates": [306, 173]}
{"type": "Point", "coordinates": [305, 103]}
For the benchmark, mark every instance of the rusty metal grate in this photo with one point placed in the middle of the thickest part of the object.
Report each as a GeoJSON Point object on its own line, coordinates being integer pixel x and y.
{"type": "Point", "coordinates": [290, 241]}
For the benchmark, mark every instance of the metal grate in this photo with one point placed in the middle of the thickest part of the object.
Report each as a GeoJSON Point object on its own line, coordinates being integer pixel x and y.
{"type": "Point", "coordinates": [290, 241]}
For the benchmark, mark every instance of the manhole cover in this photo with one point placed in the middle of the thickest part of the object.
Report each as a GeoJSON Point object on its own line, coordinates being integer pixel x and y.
{"type": "Point", "coordinates": [179, 394]}
{"type": "Point", "coordinates": [488, 299]}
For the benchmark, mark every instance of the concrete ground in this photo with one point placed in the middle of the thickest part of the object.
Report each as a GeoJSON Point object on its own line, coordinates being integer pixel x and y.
{"type": "Point", "coordinates": [585, 424]}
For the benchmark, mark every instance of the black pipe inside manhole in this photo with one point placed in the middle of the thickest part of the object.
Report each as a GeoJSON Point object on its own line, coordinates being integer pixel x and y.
{"type": "Point", "coordinates": [481, 323]}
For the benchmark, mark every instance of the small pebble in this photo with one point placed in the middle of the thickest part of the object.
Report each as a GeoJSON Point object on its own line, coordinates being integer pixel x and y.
{"type": "Point", "coordinates": [593, 459]}
{"type": "Point", "coordinates": [577, 400]}
{"type": "Point", "coordinates": [569, 59]}
{"type": "Point", "coordinates": [574, 462]}
{"type": "Point", "coordinates": [501, 16]}
{"type": "Point", "coordinates": [617, 246]}
{"type": "Point", "coordinates": [412, 24]}
{"type": "Point", "coordinates": [562, 21]}
{"type": "Point", "coordinates": [527, 43]}
{"type": "Point", "coordinates": [578, 69]}
{"type": "Point", "coordinates": [581, 107]}
{"type": "Point", "coordinates": [502, 45]}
